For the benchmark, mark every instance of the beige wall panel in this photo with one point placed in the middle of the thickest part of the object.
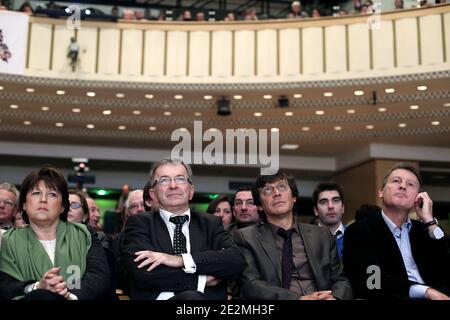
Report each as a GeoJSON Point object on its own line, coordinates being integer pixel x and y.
{"type": "Point", "coordinates": [177, 46]}
{"type": "Point", "coordinates": [61, 41]}
{"type": "Point", "coordinates": [87, 39]}
{"type": "Point", "coordinates": [383, 46]}
{"type": "Point", "coordinates": [154, 53]}
{"type": "Point", "coordinates": [335, 49]}
{"type": "Point", "coordinates": [199, 54]}
{"type": "Point", "coordinates": [108, 55]}
{"type": "Point", "coordinates": [431, 39]}
{"type": "Point", "coordinates": [447, 36]}
{"type": "Point", "coordinates": [40, 46]}
{"type": "Point", "coordinates": [312, 50]}
{"type": "Point", "coordinates": [358, 47]}
{"type": "Point", "coordinates": [131, 52]}
{"type": "Point", "coordinates": [222, 54]}
{"type": "Point", "coordinates": [267, 53]}
{"type": "Point", "coordinates": [244, 53]}
{"type": "Point", "coordinates": [289, 52]}
{"type": "Point", "coordinates": [407, 42]}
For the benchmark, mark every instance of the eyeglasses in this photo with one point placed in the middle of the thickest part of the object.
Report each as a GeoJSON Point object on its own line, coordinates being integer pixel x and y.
{"type": "Point", "coordinates": [240, 203]}
{"type": "Point", "coordinates": [165, 181]}
{"type": "Point", "coordinates": [136, 205]}
{"type": "Point", "coordinates": [8, 203]}
{"type": "Point", "coordinates": [281, 187]}
{"type": "Point", "coordinates": [75, 205]}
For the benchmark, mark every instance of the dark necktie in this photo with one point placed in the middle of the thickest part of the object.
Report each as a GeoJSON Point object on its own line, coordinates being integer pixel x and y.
{"type": "Point", "coordinates": [287, 264]}
{"type": "Point", "coordinates": [179, 240]}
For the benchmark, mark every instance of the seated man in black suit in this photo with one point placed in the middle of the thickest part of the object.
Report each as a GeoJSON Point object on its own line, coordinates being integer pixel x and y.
{"type": "Point", "coordinates": [174, 250]}
{"type": "Point", "coordinates": [390, 256]}
{"type": "Point", "coordinates": [286, 259]}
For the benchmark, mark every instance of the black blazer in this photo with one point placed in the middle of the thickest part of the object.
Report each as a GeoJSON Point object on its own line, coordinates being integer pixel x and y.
{"type": "Point", "coordinates": [212, 249]}
{"type": "Point", "coordinates": [370, 242]}
{"type": "Point", "coordinates": [94, 283]}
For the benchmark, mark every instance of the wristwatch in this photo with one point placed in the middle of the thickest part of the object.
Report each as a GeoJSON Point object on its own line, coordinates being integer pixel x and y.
{"type": "Point", "coordinates": [431, 223]}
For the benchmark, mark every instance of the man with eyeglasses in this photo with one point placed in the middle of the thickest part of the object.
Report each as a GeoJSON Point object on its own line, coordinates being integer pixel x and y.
{"type": "Point", "coordinates": [286, 259]}
{"type": "Point", "coordinates": [176, 253]}
{"type": "Point", "coordinates": [328, 200]}
{"type": "Point", "coordinates": [8, 206]}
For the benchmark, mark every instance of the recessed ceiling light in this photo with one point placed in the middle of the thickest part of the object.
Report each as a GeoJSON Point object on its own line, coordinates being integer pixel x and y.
{"type": "Point", "coordinates": [298, 95]}
{"type": "Point", "coordinates": [414, 107]}
{"type": "Point", "coordinates": [305, 128]}
{"type": "Point", "coordinates": [90, 94]}
{"type": "Point", "coordinates": [289, 146]}
{"type": "Point", "coordinates": [121, 127]}
{"type": "Point", "coordinates": [267, 96]}
{"type": "Point", "coordinates": [76, 110]}
{"type": "Point", "coordinates": [213, 129]}
{"type": "Point", "coordinates": [167, 113]}
{"type": "Point", "coordinates": [149, 96]}
{"type": "Point", "coordinates": [59, 124]}
{"type": "Point", "coordinates": [370, 126]}
{"type": "Point", "coordinates": [60, 92]}
{"type": "Point", "coordinates": [382, 109]}
{"type": "Point", "coordinates": [402, 125]}
{"type": "Point", "coordinates": [183, 129]}
{"type": "Point", "coordinates": [197, 114]}
{"type": "Point", "coordinates": [358, 93]}
{"type": "Point", "coordinates": [447, 104]}
{"type": "Point", "coordinates": [207, 97]}
{"type": "Point", "coordinates": [178, 96]}
{"type": "Point", "coordinates": [320, 112]}
{"type": "Point", "coordinates": [106, 112]}
{"type": "Point", "coordinates": [258, 114]}
{"type": "Point", "coordinates": [120, 95]}
{"type": "Point", "coordinates": [328, 94]}
{"type": "Point", "coordinates": [338, 128]}
{"type": "Point", "coordinates": [152, 128]}
{"type": "Point", "coordinates": [1, 88]}
{"type": "Point", "coordinates": [237, 97]}
{"type": "Point", "coordinates": [45, 108]}
{"type": "Point", "coordinates": [351, 111]}
{"type": "Point", "coordinates": [275, 129]}
{"type": "Point", "coordinates": [422, 88]}
{"type": "Point", "coordinates": [435, 123]}
{"type": "Point", "coordinates": [30, 90]}
{"type": "Point", "coordinates": [137, 112]}
{"type": "Point", "coordinates": [27, 123]}
{"type": "Point", "coordinates": [14, 106]}
{"type": "Point", "coordinates": [90, 126]}
{"type": "Point", "coordinates": [389, 90]}
{"type": "Point", "coordinates": [288, 113]}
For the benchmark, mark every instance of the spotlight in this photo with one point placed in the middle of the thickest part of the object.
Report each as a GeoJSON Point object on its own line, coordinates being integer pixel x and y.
{"type": "Point", "coordinates": [374, 98]}
{"type": "Point", "coordinates": [283, 102]}
{"type": "Point", "coordinates": [223, 107]}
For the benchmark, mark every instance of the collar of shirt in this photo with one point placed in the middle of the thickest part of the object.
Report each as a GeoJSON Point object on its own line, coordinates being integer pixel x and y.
{"type": "Point", "coordinates": [341, 229]}
{"type": "Point", "coordinates": [393, 227]}
{"type": "Point", "coordinates": [166, 216]}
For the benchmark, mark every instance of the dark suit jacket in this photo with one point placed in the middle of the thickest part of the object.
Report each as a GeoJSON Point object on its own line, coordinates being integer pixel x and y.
{"type": "Point", "coordinates": [262, 277]}
{"type": "Point", "coordinates": [370, 242]}
{"type": "Point", "coordinates": [212, 249]}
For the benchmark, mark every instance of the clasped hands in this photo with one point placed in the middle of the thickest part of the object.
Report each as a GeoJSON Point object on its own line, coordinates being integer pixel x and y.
{"type": "Point", "coordinates": [52, 281]}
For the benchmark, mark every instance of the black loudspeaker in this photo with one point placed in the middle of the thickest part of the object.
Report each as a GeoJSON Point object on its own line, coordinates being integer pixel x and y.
{"type": "Point", "coordinates": [223, 107]}
{"type": "Point", "coordinates": [283, 102]}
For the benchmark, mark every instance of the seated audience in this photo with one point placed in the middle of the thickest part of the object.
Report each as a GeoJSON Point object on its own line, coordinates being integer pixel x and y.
{"type": "Point", "coordinates": [79, 209]}
{"type": "Point", "coordinates": [221, 207]}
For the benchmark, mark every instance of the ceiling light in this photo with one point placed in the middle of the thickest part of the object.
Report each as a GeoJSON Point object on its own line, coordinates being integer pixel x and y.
{"type": "Point", "coordinates": [76, 110]}
{"type": "Point", "coordinates": [288, 146]}
{"type": "Point", "coordinates": [338, 128]}
{"type": "Point", "coordinates": [207, 97]}
{"type": "Point", "coordinates": [283, 102]}
{"type": "Point", "coordinates": [223, 107]}
{"type": "Point", "coordinates": [258, 114]}
{"type": "Point", "coordinates": [298, 95]}
{"type": "Point", "coordinates": [178, 96]}
{"type": "Point", "coordinates": [59, 124]}
{"type": "Point", "coordinates": [382, 109]}
{"type": "Point", "coordinates": [414, 107]}
{"type": "Point", "coordinates": [358, 93]}
{"type": "Point", "coordinates": [435, 123]}
{"type": "Point", "coordinates": [167, 113]}
{"type": "Point", "coordinates": [30, 90]}
{"type": "Point", "coordinates": [402, 125]}
{"type": "Point", "coordinates": [213, 129]}
{"type": "Point", "coordinates": [183, 129]}
{"type": "Point", "coordinates": [197, 114]}
{"type": "Point", "coordinates": [106, 112]}
{"type": "Point", "coordinates": [351, 111]}
{"type": "Point", "coordinates": [305, 128]}
{"type": "Point", "coordinates": [422, 88]}
{"type": "Point", "coordinates": [90, 94]}
{"type": "Point", "coordinates": [137, 112]}
{"type": "Point", "coordinates": [267, 96]}
{"type": "Point", "coordinates": [320, 112]}
{"type": "Point", "coordinates": [328, 94]}
{"type": "Point", "coordinates": [152, 128]}
{"type": "Point", "coordinates": [237, 97]}
{"type": "Point", "coordinates": [90, 126]}
{"type": "Point", "coordinates": [389, 90]}
{"type": "Point", "coordinates": [370, 126]}
{"type": "Point", "coordinates": [27, 123]}
{"type": "Point", "coordinates": [14, 106]}
{"type": "Point", "coordinates": [275, 129]}
{"type": "Point", "coordinates": [60, 92]}
{"type": "Point", "coordinates": [120, 95]}
{"type": "Point", "coordinates": [447, 104]}
{"type": "Point", "coordinates": [121, 127]}
{"type": "Point", "coordinates": [1, 87]}
{"type": "Point", "coordinates": [45, 108]}
{"type": "Point", "coordinates": [288, 113]}
{"type": "Point", "coordinates": [149, 96]}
